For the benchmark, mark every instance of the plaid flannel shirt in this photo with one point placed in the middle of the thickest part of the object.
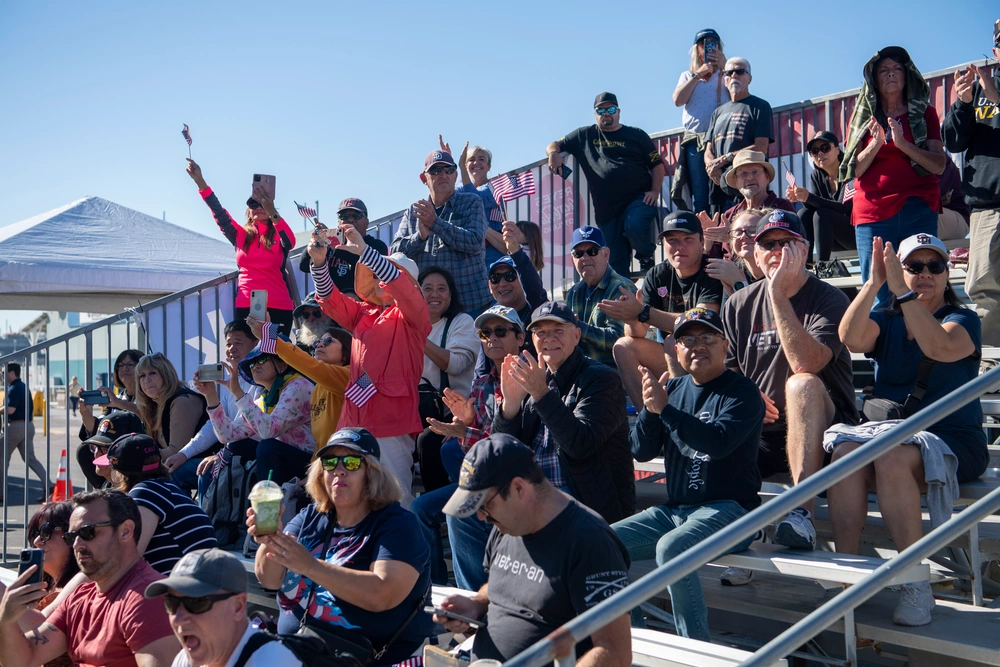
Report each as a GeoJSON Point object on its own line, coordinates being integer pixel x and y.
{"type": "Point", "coordinates": [599, 331]}
{"type": "Point", "coordinates": [547, 451]}
{"type": "Point", "coordinates": [456, 243]}
{"type": "Point", "coordinates": [485, 397]}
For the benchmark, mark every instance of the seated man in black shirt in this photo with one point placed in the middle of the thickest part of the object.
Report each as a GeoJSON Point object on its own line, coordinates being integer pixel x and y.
{"type": "Point", "coordinates": [549, 559]}
{"type": "Point", "coordinates": [707, 424]}
{"type": "Point", "coordinates": [669, 289]}
{"type": "Point", "coordinates": [624, 173]}
{"type": "Point", "coordinates": [351, 212]}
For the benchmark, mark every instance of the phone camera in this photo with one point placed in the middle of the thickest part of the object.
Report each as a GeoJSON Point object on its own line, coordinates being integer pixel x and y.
{"type": "Point", "coordinates": [256, 178]}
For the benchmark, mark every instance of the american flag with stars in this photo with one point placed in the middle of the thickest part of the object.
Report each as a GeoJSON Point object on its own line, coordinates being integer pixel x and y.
{"type": "Point", "coordinates": [186, 133]}
{"type": "Point", "coordinates": [306, 211]}
{"type": "Point", "coordinates": [508, 187]}
{"type": "Point", "coordinates": [849, 190]}
{"type": "Point", "coordinates": [361, 391]}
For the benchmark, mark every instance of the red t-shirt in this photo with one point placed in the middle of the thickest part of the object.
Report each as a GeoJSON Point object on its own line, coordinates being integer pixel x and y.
{"type": "Point", "coordinates": [108, 629]}
{"type": "Point", "coordinates": [891, 178]}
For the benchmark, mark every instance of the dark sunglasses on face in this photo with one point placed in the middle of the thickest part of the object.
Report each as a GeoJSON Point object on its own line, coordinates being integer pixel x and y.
{"type": "Point", "coordinates": [509, 276]}
{"type": "Point", "coordinates": [312, 313]}
{"type": "Point", "coordinates": [86, 533]}
{"type": "Point", "coordinates": [351, 217]}
{"type": "Point", "coordinates": [770, 245]}
{"type": "Point", "coordinates": [193, 605]}
{"type": "Point", "coordinates": [351, 462]}
{"type": "Point", "coordinates": [937, 267]}
{"type": "Point", "coordinates": [259, 361]}
{"type": "Point", "coordinates": [324, 341]}
{"type": "Point", "coordinates": [253, 205]}
{"type": "Point", "coordinates": [606, 110]}
{"type": "Point", "coordinates": [739, 71]}
{"type": "Point", "coordinates": [45, 532]}
{"type": "Point", "coordinates": [822, 148]}
{"type": "Point", "coordinates": [435, 170]}
{"type": "Point", "coordinates": [500, 331]}
{"type": "Point", "coordinates": [589, 252]}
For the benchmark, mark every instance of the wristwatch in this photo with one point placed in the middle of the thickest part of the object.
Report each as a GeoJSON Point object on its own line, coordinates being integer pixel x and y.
{"type": "Point", "coordinates": [909, 296]}
{"type": "Point", "coordinates": [643, 316]}
{"type": "Point", "coordinates": [738, 285]}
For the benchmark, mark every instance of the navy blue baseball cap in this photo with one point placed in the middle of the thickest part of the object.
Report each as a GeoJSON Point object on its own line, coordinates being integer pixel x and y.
{"type": "Point", "coordinates": [688, 318]}
{"type": "Point", "coordinates": [353, 437]}
{"type": "Point", "coordinates": [506, 260]}
{"type": "Point", "coordinates": [780, 219]}
{"type": "Point", "coordinates": [438, 157]}
{"type": "Point", "coordinates": [681, 221]}
{"type": "Point", "coordinates": [588, 234]}
{"type": "Point", "coordinates": [553, 311]}
{"type": "Point", "coordinates": [491, 462]}
{"type": "Point", "coordinates": [707, 32]}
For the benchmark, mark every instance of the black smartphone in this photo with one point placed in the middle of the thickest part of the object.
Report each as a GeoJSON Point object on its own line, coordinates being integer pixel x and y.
{"type": "Point", "coordinates": [457, 617]}
{"type": "Point", "coordinates": [565, 171]}
{"type": "Point", "coordinates": [94, 397]}
{"type": "Point", "coordinates": [711, 48]}
{"type": "Point", "coordinates": [31, 557]}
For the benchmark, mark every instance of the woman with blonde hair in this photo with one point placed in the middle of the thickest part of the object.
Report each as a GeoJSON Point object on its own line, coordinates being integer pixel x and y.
{"type": "Point", "coordinates": [373, 574]}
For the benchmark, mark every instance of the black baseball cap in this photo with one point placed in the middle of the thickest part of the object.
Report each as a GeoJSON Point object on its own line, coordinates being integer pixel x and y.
{"type": "Point", "coordinates": [203, 572]}
{"type": "Point", "coordinates": [553, 311]}
{"type": "Point", "coordinates": [688, 318]}
{"type": "Point", "coordinates": [129, 454]}
{"type": "Point", "coordinates": [353, 204]}
{"type": "Point", "coordinates": [681, 221]}
{"type": "Point", "coordinates": [823, 135]}
{"type": "Point", "coordinates": [780, 219]}
{"type": "Point", "coordinates": [707, 32]}
{"type": "Point", "coordinates": [354, 437]}
{"type": "Point", "coordinates": [491, 462]}
{"type": "Point", "coordinates": [605, 98]}
{"type": "Point", "coordinates": [115, 425]}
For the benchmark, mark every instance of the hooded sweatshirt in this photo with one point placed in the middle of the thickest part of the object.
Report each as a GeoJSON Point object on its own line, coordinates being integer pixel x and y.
{"type": "Point", "coordinates": [975, 129]}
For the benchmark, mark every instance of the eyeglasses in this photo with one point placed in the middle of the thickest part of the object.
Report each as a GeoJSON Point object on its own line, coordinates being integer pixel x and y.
{"type": "Point", "coordinates": [589, 252]}
{"type": "Point", "coordinates": [312, 314]}
{"type": "Point", "coordinates": [125, 366]}
{"type": "Point", "coordinates": [612, 110]}
{"type": "Point", "coordinates": [500, 331]}
{"type": "Point", "coordinates": [509, 276]}
{"type": "Point", "coordinates": [102, 449]}
{"type": "Point", "coordinates": [45, 532]}
{"type": "Point", "coordinates": [351, 462]}
{"type": "Point", "coordinates": [739, 71]}
{"type": "Point", "coordinates": [325, 341]}
{"type": "Point", "coordinates": [350, 217]}
{"type": "Point", "coordinates": [436, 170]}
{"type": "Point", "coordinates": [259, 361]}
{"type": "Point", "coordinates": [780, 243]}
{"type": "Point", "coordinates": [741, 233]}
{"type": "Point", "coordinates": [937, 267]}
{"type": "Point", "coordinates": [706, 339]}
{"type": "Point", "coordinates": [484, 507]}
{"type": "Point", "coordinates": [86, 533]}
{"type": "Point", "coordinates": [749, 172]}
{"type": "Point", "coordinates": [193, 605]}
{"type": "Point", "coordinates": [822, 148]}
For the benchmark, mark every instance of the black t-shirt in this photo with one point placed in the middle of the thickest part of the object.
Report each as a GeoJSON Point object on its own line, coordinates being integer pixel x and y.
{"type": "Point", "coordinates": [617, 165]}
{"type": "Point", "coordinates": [664, 290]}
{"type": "Point", "coordinates": [540, 581]}
{"type": "Point", "coordinates": [342, 263]}
{"type": "Point", "coordinates": [735, 125]}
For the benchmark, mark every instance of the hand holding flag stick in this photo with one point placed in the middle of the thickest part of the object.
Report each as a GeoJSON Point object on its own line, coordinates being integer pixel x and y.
{"type": "Point", "coordinates": [186, 133]}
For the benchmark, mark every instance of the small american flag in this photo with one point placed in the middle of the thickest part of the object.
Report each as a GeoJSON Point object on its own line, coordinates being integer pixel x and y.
{"type": "Point", "coordinates": [498, 213]}
{"type": "Point", "coordinates": [306, 211]}
{"type": "Point", "coordinates": [789, 176]}
{"type": "Point", "coordinates": [849, 190]}
{"type": "Point", "coordinates": [507, 187]}
{"type": "Point", "coordinates": [186, 133]}
{"type": "Point", "coordinates": [362, 390]}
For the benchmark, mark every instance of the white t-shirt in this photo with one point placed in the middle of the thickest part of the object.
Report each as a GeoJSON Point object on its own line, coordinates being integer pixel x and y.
{"type": "Point", "coordinates": [705, 97]}
{"type": "Point", "coordinates": [271, 654]}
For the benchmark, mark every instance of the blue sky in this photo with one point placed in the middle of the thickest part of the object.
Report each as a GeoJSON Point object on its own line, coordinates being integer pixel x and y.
{"type": "Point", "coordinates": [345, 99]}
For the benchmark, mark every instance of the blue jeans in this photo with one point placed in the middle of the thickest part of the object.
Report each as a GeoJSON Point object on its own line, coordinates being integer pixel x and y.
{"type": "Point", "coordinates": [468, 539]}
{"type": "Point", "coordinates": [694, 160]}
{"type": "Point", "coordinates": [428, 509]}
{"type": "Point", "coordinates": [915, 217]}
{"type": "Point", "coordinates": [664, 532]}
{"type": "Point", "coordinates": [186, 477]}
{"type": "Point", "coordinates": [280, 462]}
{"type": "Point", "coordinates": [631, 230]}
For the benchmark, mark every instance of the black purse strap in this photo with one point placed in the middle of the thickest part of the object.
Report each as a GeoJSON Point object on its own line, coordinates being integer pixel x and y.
{"type": "Point", "coordinates": [413, 614]}
{"type": "Point", "coordinates": [912, 402]}
{"type": "Point", "coordinates": [444, 343]}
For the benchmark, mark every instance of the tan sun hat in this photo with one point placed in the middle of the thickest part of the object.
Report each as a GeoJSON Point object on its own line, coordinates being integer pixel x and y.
{"type": "Point", "coordinates": [748, 156]}
{"type": "Point", "coordinates": [365, 282]}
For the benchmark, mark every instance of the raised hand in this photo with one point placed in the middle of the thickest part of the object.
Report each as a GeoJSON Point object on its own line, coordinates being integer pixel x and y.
{"type": "Point", "coordinates": [511, 236]}
{"type": "Point", "coordinates": [654, 391]}
{"type": "Point", "coordinates": [354, 242]}
{"type": "Point", "coordinates": [964, 79]}
{"type": "Point", "coordinates": [876, 132]}
{"type": "Point", "coordinates": [317, 249]}
{"type": "Point", "coordinates": [625, 308]}
{"type": "Point", "coordinates": [512, 391]}
{"type": "Point", "coordinates": [724, 271]}
{"type": "Point", "coordinates": [897, 138]}
{"type": "Point", "coordinates": [454, 429]}
{"type": "Point", "coordinates": [530, 374]}
{"type": "Point", "coordinates": [194, 171]}
{"type": "Point", "coordinates": [460, 406]}
{"type": "Point", "coordinates": [894, 271]}
{"type": "Point", "coordinates": [206, 389]}
{"type": "Point", "coordinates": [789, 271]}
{"type": "Point", "coordinates": [877, 275]}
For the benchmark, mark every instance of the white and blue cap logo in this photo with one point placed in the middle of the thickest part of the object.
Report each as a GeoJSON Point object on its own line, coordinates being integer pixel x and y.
{"type": "Point", "coordinates": [588, 234]}
{"type": "Point", "coordinates": [355, 438]}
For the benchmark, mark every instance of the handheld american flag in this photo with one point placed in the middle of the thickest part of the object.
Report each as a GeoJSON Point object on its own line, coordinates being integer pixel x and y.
{"type": "Point", "coordinates": [186, 133]}
{"type": "Point", "coordinates": [789, 176]}
{"type": "Point", "coordinates": [508, 187]}
{"type": "Point", "coordinates": [849, 191]}
{"type": "Point", "coordinates": [306, 211]}
{"type": "Point", "coordinates": [361, 391]}
{"type": "Point", "coordinates": [498, 213]}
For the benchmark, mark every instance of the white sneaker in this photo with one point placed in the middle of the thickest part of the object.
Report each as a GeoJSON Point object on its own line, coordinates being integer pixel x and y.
{"type": "Point", "coordinates": [796, 531]}
{"type": "Point", "coordinates": [916, 602]}
{"type": "Point", "coordinates": [736, 576]}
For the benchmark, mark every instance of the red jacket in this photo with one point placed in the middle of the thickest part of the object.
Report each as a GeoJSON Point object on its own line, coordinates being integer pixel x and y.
{"type": "Point", "coordinates": [389, 346]}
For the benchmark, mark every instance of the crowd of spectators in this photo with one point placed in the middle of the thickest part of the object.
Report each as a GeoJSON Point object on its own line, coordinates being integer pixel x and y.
{"type": "Point", "coordinates": [449, 356]}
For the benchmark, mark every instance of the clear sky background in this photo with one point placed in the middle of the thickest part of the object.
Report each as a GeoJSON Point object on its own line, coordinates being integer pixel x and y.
{"type": "Point", "coordinates": [342, 99]}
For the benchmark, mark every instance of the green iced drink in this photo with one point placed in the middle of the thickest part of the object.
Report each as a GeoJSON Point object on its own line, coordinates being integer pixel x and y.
{"type": "Point", "coordinates": [265, 499]}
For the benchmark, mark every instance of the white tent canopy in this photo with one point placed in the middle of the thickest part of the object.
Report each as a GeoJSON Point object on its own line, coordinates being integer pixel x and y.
{"type": "Point", "coordinates": [97, 256]}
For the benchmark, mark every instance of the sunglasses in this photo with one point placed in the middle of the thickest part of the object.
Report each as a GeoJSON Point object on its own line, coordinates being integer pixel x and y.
{"type": "Point", "coordinates": [86, 533]}
{"type": "Point", "coordinates": [739, 71]}
{"type": "Point", "coordinates": [325, 341]}
{"type": "Point", "coordinates": [705, 339]}
{"type": "Point", "coordinates": [780, 243]}
{"type": "Point", "coordinates": [45, 532]}
{"type": "Point", "coordinates": [193, 605]}
{"type": "Point", "coordinates": [822, 148]}
{"type": "Point", "coordinates": [500, 331]}
{"type": "Point", "coordinates": [435, 170]}
{"type": "Point", "coordinates": [312, 314]}
{"type": "Point", "coordinates": [259, 361]}
{"type": "Point", "coordinates": [606, 110]}
{"type": "Point", "coordinates": [351, 462]}
{"type": "Point", "coordinates": [589, 252]}
{"type": "Point", "coordinates": [509, 276]}
{"type": "Point", "coordinates": [350, 217]}
{"type": "Point", "coordinates": [253, 205]}
{"type": "Point", "coordinates": [936, 267]}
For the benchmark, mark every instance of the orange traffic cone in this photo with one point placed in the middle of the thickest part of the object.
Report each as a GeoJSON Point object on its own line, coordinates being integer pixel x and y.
{"type": "Point", "coordinates": [62, 490]}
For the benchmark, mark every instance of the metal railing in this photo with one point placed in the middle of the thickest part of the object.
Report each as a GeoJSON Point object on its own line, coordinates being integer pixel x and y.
{"type": "Point", "coordinates": [559, 645]}
{"type": "Point", "coordinates": [185, 326]}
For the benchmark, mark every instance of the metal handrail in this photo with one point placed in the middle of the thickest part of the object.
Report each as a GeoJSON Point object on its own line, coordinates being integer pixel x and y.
{"type": "Point", "coordinates": [563, 639]}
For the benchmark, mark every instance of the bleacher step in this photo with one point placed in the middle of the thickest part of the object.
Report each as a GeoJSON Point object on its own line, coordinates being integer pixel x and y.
{"type": "Point", "coordinates": [657, 649]}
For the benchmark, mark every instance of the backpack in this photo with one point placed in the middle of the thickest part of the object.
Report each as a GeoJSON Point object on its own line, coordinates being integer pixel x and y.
{"type": "Point", "coordinates": [226, 501]}
{"type": "Point", "coordinates": [310, 651]}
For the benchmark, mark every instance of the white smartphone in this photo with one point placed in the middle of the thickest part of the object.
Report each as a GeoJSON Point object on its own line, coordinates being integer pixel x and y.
{"type": "Point", "coordinates": [258, 304]}
{"type": "Point", "coordinates": [211, 372]}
